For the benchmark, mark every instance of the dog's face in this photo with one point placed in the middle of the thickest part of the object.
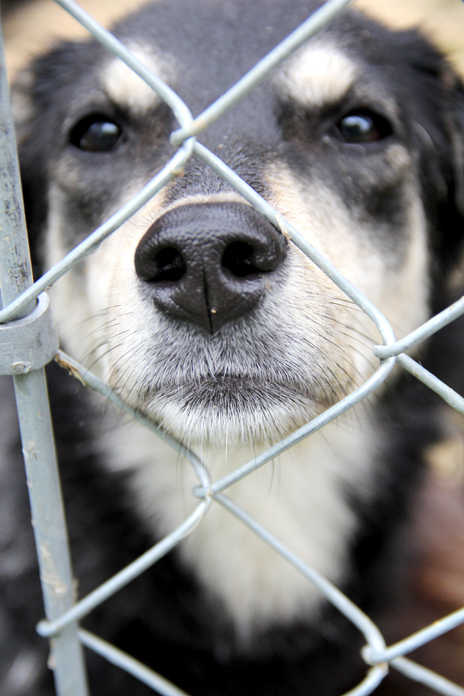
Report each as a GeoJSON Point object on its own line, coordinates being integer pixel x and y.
{"type": "Point", "coordinates": [197, 310]}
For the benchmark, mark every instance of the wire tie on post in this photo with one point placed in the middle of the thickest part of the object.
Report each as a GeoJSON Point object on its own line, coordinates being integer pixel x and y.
{"type": "Point", "coordinates": [28, 343]}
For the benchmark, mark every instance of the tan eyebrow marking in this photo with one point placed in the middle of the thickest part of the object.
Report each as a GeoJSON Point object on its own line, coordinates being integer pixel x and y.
{"type": "Point", "coordinates": [125, 88]}
{"type": "Point", "coordinates": [318, 75]}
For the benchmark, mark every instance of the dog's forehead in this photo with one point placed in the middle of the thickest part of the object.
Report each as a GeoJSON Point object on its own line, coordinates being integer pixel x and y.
{"type": "Point", "coordinates": [201, 64]}
{"type": "Point", "coordinates": [202, 53]}
{"type": "Point", "coordinates": [320, 73]}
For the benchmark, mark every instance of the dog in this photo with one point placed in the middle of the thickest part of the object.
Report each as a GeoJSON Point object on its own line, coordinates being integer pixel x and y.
{"type": "Point", "coordinates": [205, 318]}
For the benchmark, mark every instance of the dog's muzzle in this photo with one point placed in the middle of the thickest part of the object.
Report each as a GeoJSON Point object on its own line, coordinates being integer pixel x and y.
{"type": "Point", "coordinates": [209, 263]}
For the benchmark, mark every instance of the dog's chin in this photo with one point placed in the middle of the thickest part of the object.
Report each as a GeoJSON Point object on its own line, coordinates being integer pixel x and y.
{"type": "Point", "coordinates": [230, 410]}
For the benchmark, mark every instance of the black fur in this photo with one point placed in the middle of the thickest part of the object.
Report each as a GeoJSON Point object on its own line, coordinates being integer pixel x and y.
{"type": "Point", "coordinates": [164, 618]}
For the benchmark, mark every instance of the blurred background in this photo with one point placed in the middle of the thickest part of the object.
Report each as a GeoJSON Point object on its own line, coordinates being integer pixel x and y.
{"type": "Point", "coordinates": [30, 25]}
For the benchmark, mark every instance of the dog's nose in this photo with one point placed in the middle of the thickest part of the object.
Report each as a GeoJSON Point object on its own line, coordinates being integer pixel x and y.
{"type": "Point", "coordinates": [209, 263]}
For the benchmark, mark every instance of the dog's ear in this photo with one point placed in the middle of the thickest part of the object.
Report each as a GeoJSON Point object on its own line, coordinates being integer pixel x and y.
{"type": "Point", "coordinates": [438, 124]}
{"type": "Point", "coordinates": [21, 101]}
{"type": "Point", "coordinates": [451, 221]}
{"type": "Point", "coordinates": [455, 122]}
{"type": "Point", "coordinates": [456, 127]}
{"type": "Point", "coordinates": [29, 138]}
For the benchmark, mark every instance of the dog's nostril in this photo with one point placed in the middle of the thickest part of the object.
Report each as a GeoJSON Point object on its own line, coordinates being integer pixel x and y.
{"type": "Point", "coordinates": [159, 265]}
{"type": "Point", "coordinates": [169, 264]}
{"type": "Point", "coordinates": [238, 258]}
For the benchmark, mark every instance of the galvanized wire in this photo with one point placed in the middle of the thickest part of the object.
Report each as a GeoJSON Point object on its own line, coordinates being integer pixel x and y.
{"type": "Point", "coordinates": [125, 576]}
{"type": "Point", "coordinates": [430, 327]}
{"type": "Point", "coordinates": [92, 242]}
{"type": "Point", "coordinates": [35, 422]}
{"type": "Point", "coordinates": [417, 639]}
{"type": "Point", "coordinates": [318, 20]}
{"type": "Point", "coordinates": [427, 677]}
{"type": "Point", "coordinates": [126, 662]}
{"type": "Point", "coordinates": [61, 620]}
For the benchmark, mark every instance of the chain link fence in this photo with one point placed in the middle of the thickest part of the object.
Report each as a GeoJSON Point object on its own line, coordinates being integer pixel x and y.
{"type": "Point", "coordinates": [28, 342]}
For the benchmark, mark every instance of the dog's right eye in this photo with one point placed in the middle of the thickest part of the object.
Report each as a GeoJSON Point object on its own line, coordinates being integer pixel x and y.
{"type": "Point", "coordinates": [95, 133]}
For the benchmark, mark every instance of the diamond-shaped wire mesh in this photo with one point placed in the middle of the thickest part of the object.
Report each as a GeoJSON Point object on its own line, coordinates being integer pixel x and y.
{"type": "Point", "coordinates": [17, 300]}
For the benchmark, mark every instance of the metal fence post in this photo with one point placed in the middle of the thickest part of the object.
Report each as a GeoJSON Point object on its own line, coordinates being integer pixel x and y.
{"type": "Point", "coordinates": [35, 422]}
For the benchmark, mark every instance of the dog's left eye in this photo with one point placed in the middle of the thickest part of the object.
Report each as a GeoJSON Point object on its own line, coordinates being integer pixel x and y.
{"type": "Point", "coordinates": [95, 133]}
{"type": "Point", "coordinates": [363, 126]}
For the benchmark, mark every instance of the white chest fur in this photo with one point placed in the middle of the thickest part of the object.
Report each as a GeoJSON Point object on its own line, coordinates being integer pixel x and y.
{"type": "Point", "coordinates": [298, 497]}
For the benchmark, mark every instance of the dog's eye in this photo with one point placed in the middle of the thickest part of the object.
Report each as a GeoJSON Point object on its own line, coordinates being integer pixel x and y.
{"type": "Point", "coordinates": [363, 126]}
{"type": "Point", "coordinates": [95, 133]}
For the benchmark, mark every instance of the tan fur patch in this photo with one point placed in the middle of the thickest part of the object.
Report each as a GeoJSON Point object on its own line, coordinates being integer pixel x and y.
{"type": "Point", "coordinates": [399, 293]}
{"type": "Point", "coordinates": [318, 74]}
{"type": "Point", "coordinates": [125, 88]}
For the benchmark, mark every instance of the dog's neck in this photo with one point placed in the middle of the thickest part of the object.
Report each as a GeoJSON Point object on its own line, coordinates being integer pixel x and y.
{"type": "Point", "coordinates": [300, 497]}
